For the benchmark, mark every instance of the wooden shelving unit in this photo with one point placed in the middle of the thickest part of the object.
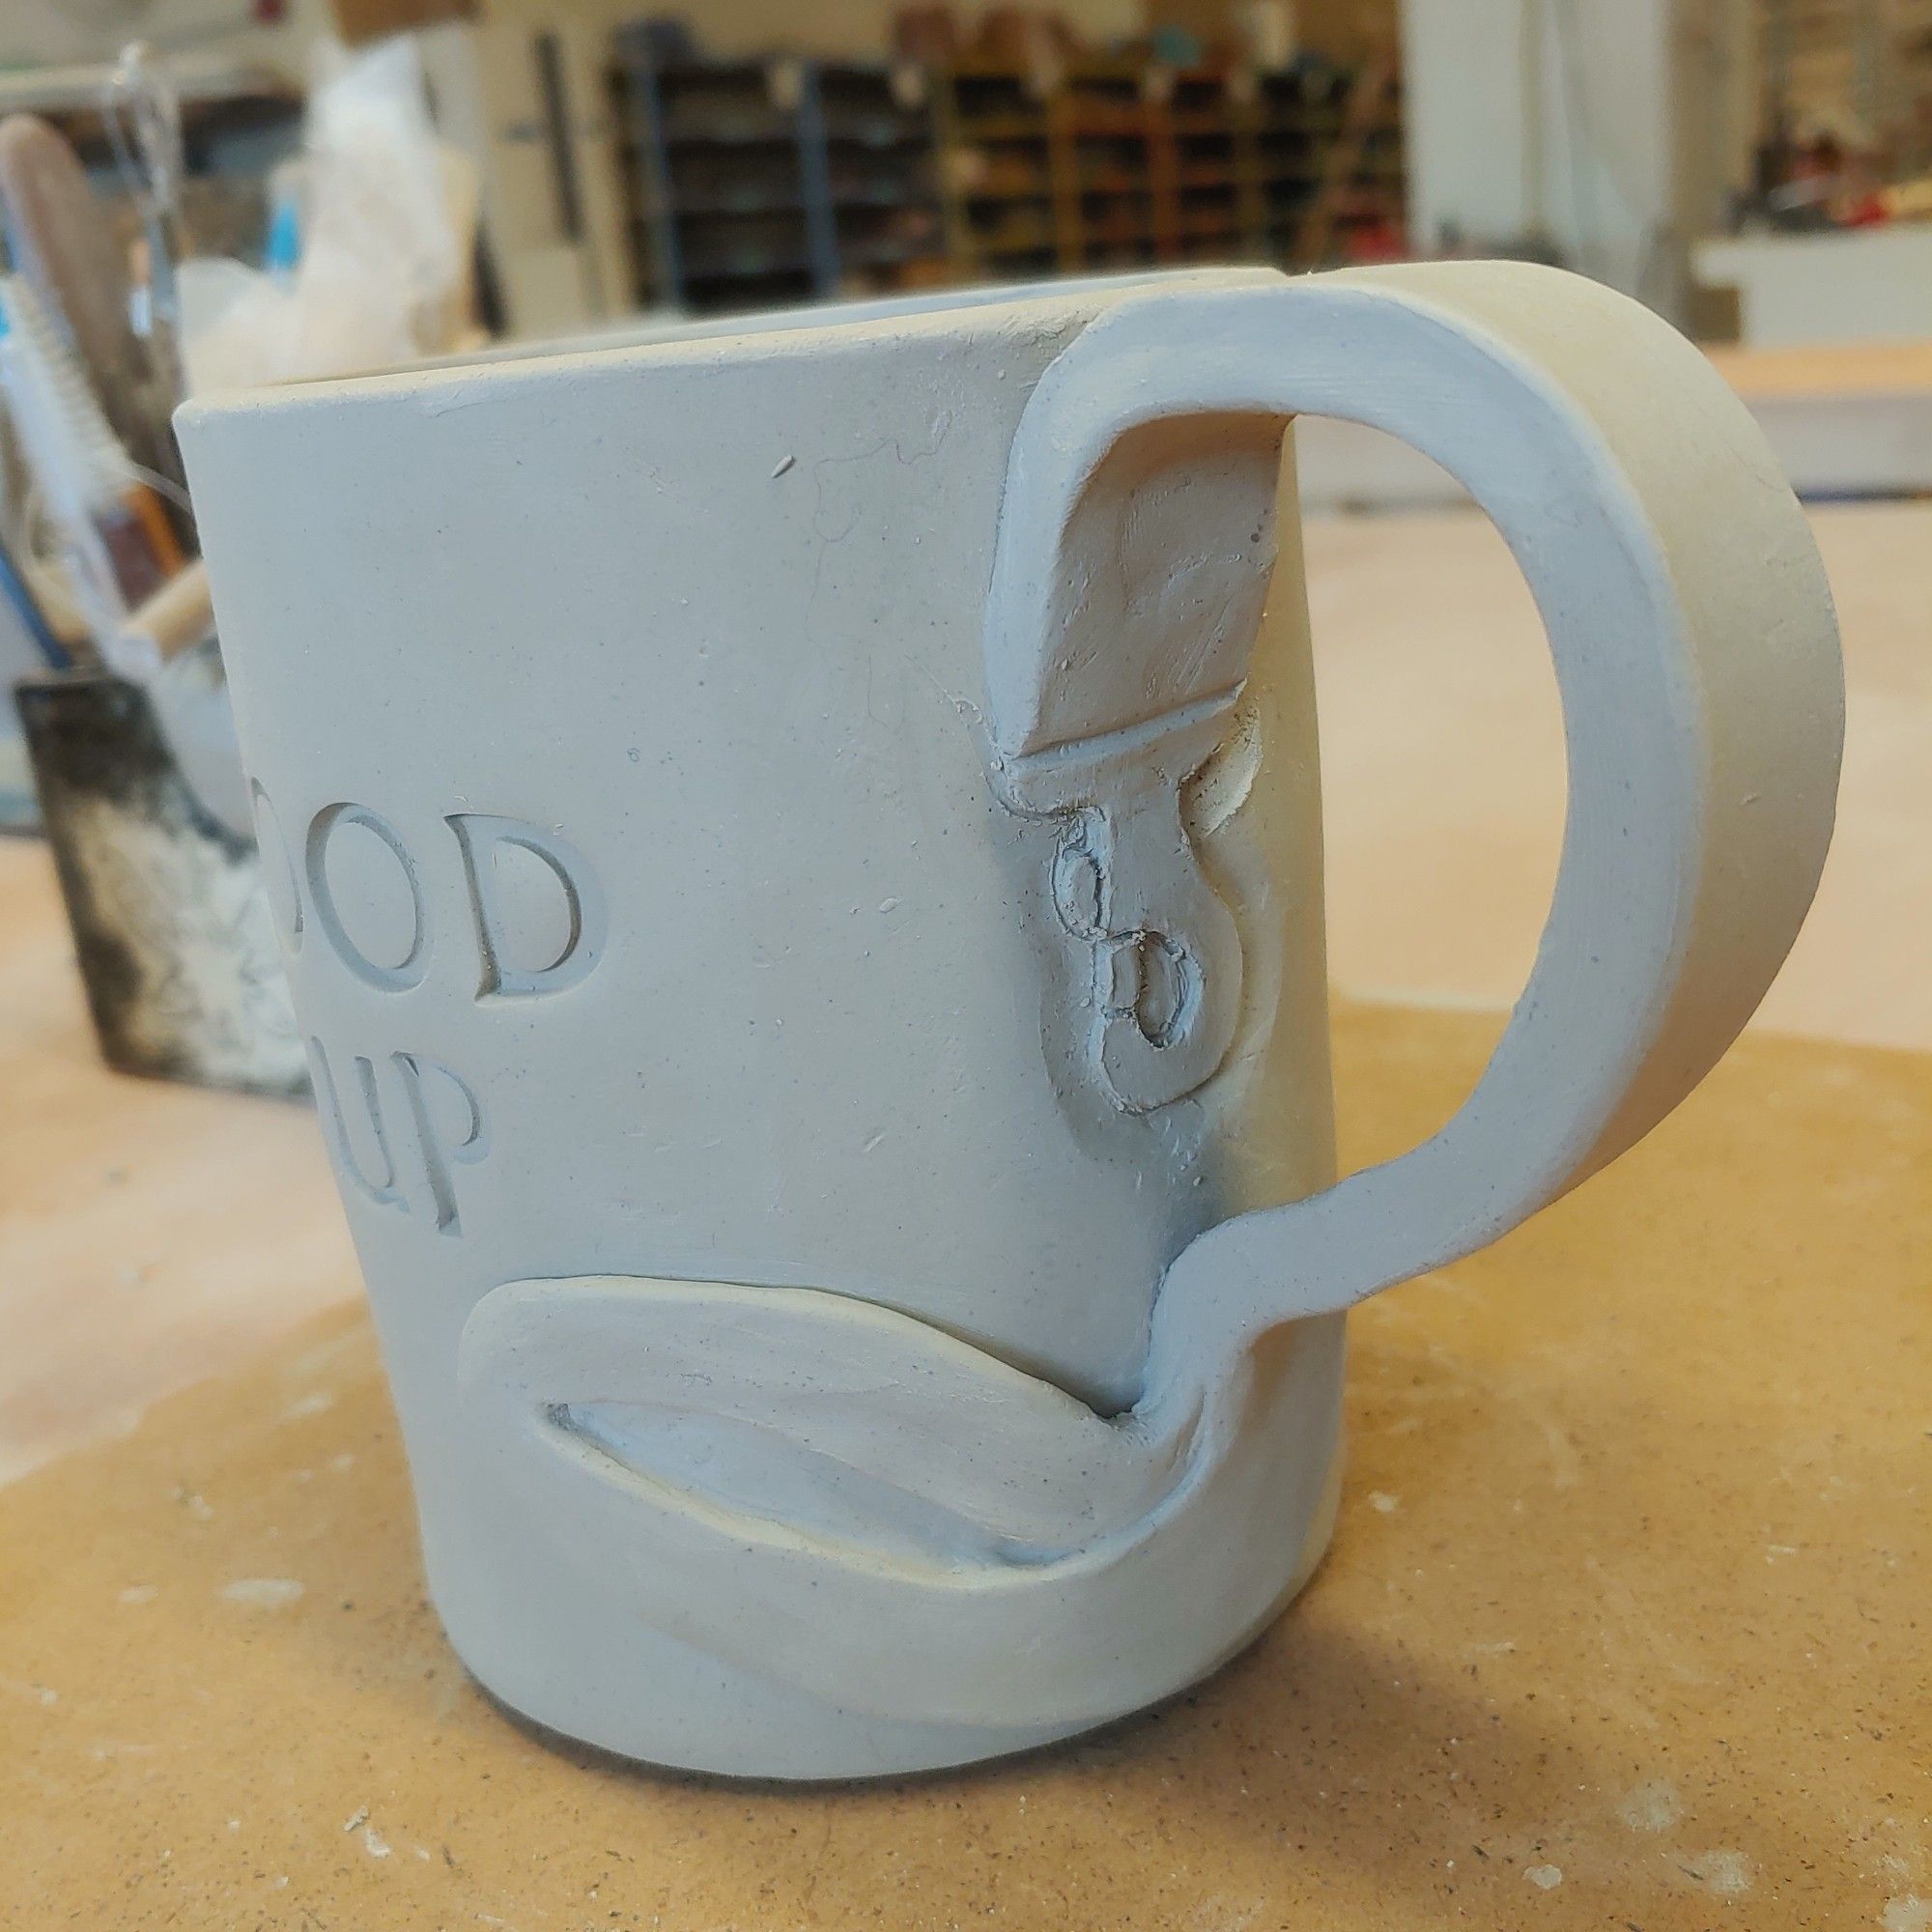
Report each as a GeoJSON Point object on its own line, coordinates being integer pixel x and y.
{"type": "Point", "coordinates": [712, 155]}
{"type": "Point", "coordinates": [1213, 122]}
{"type": "Point", "coordinates": [759, 183]}
{"type": "Point", "coordinates": [755, 183]}
{"type": "Point", "coordinates": [1331, 159]}
{"type": "Point", "coordinates": [1123, 160]}
{"type": "Point", "coordinates": [1300, 114]}
{"type": "Point", "coordinates": [881, 175]}
{"type": "Point", "coordinates": [1011, 206]}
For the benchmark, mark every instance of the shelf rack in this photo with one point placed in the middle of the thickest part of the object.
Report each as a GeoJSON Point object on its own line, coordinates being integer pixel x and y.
{"type": "Point", "coordinates": [753, 183]}
{"type": "Point", "coordinates": [758, 183]}
{"type": "Point", "coordinates": [1005, 168]}
{"type": "Point", "coordinates": [1331, 159]}
{"type": "Point", "coordinates": [881, 175]}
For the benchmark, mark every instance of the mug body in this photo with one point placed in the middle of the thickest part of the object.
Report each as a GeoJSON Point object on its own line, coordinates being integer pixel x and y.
{"type": "Point", "coordinates": [615, 722]}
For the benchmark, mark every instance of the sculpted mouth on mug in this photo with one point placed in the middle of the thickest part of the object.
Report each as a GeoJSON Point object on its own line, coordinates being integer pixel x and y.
{"type": "Point", "coordinates": [795, 1420]}
{"type": "Point", "coordinates": [760, 1482]}
{"type": "Point", "coordinates": [855, 1502]}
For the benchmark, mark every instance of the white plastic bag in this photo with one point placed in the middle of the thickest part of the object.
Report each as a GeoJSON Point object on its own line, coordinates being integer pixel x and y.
{"type": "Point", "coordinates": [385, 214]}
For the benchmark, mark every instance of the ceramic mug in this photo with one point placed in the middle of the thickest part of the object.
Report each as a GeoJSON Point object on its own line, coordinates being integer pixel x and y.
{"type": "Point", "coordinates": [797, 852]}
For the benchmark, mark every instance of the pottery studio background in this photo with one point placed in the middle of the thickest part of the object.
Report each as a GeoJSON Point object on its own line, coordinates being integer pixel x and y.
{"type": "Point", "coordinates": [1625, 1621]}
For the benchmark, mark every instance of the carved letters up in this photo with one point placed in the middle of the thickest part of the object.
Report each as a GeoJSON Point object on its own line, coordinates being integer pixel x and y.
{"type": "Point", "coordinates": [532, 924]}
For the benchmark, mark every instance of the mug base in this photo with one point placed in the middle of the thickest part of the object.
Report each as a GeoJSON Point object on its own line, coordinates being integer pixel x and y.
{"type": "Point", "coordinates": [757, 1731]}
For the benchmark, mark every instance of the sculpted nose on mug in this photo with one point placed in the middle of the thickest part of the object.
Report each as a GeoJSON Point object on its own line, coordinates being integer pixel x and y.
{"type": "Point", "coordinates": [1163, 952]}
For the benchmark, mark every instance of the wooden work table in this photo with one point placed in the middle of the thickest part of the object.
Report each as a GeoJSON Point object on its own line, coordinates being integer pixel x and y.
{"type": "Point", "coordinates": [1625, 1625]}
{"type": "Point", "coordinates": [1626, 1622]}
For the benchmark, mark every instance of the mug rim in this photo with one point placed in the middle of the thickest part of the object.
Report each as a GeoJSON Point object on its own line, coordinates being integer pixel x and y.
{"type": "Point", "coordinates": [679, 338]}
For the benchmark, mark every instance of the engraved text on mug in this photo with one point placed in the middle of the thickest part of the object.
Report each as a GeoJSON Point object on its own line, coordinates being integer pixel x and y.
{"type": "Point", "coordinates": [514, 907]}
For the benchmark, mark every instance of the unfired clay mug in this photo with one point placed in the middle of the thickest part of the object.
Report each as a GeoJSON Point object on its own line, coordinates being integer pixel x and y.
{"type": "Point", "coordinates": [798, 857]}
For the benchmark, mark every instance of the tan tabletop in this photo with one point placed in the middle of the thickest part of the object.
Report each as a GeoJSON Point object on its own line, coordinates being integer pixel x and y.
{"type": "Point", "coordinates": [1625, 1624]}
{"type": "Point", "coordinates": [1826, 368]}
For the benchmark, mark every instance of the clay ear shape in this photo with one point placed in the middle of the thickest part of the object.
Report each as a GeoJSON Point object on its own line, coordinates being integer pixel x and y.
{"type": "Point", "coordinates": [804, 1419]}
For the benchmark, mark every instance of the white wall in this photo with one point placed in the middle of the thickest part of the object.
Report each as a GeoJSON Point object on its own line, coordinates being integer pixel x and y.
{"type": "Point", "coordinates": [1547, 120]}
{"type": "Point", "coordinates": [1855, 285]}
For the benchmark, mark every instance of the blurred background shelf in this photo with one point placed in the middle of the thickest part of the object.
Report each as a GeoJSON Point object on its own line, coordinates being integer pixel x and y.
{"type": "Point", "coordinates": [812, 177]}
{"type": "Point", "coordinates": [749, 183]}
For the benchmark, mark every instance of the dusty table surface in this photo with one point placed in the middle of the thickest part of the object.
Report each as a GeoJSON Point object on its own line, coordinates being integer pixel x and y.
{"type": "Point", "coordinates": [1443, 771]}
{"type": "Point", "coordinates": [1625, 1624]}
{"type": "Point", "coordinates": [149, 1234]}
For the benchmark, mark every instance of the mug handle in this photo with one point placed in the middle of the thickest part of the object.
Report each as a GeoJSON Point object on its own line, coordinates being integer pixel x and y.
{"type": "Point", "coordinates": [1696, 649]}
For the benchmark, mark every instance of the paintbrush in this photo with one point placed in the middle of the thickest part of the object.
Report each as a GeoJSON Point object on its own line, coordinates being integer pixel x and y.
{"type": "Point", "coordinates": [26, 607]}
{"type": "Point", "coordinates": [116, 540]}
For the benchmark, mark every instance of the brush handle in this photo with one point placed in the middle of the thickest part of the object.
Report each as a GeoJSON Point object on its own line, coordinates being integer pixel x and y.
{"type": "Point", "coordinates": [178, 617]}
{"type": "Point", "coordinates": [1696, 649]}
